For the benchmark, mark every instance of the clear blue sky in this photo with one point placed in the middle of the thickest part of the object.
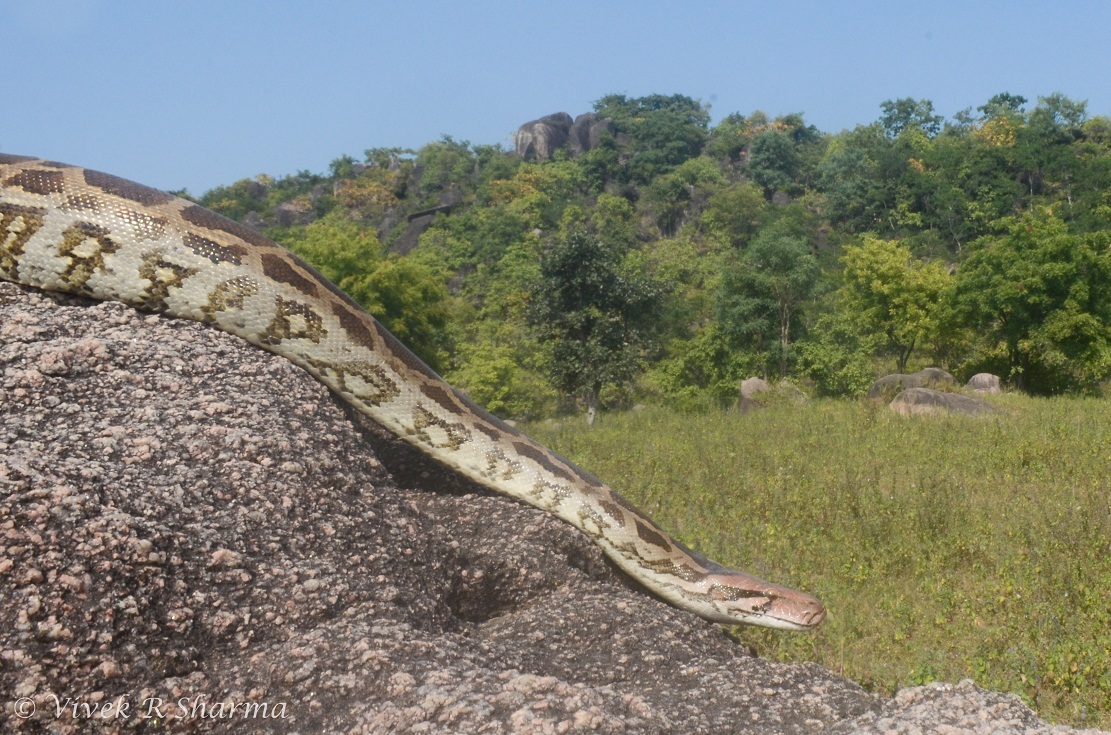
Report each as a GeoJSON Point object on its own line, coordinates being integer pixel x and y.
{"type": "Point", "coordinates": [195, 94]}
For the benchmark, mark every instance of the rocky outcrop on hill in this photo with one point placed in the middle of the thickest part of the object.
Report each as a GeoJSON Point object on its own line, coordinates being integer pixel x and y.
{"type": "Point", "coordinates": [191, 524]}
{"type": "Point", "coordinates": [586, 132]}
{"type": "Point", "coordinates": [538, 140]}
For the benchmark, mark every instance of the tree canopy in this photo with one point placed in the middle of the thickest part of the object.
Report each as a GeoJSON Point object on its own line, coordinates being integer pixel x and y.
{"type": "Point", "coordinates": [595, 315]}
{"type": "Point", "coordinates": [1042, 298]}
{"type": "Point", "coordinates": [893, 295]}
{"type": "Point", "coordinates": [975, 242]}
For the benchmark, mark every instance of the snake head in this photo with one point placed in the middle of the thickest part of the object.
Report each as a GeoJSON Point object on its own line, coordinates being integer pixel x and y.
{"type": "Point", "coordinates": [737, 597]}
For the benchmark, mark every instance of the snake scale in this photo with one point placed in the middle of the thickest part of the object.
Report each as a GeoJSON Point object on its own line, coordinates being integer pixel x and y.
{"type": "Point", "coordinates": [66, 228]}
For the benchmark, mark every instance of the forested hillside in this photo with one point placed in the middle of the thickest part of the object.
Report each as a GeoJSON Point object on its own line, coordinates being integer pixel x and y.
{"type": "Point", "coordinates": [674, 258]}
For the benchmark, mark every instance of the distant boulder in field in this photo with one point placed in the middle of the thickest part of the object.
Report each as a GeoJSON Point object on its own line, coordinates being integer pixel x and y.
{"type": "Point", "coordinates": [984, 383]}
{"type": "Point", "coordinates": [538, 140]}
{"type": "Point", "coordinates": [925, 401]}
{"type": "Point", "coordinates": [889, 386]}
{"type": "Point", "coordinates": [756, 392]}
{"type": "Point", "coordinates": [750, 389]}
{"type": "Point", "coordinates": [790, 392]}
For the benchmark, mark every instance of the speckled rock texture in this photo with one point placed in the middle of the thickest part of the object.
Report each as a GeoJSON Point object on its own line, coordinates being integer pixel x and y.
{"type": "Point", "coordinates": [194, 530]}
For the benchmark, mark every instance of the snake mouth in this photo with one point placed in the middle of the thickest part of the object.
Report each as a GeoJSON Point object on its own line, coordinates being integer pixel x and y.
{"type": "Point", "coordinates": [792, 610]}
{"type": "Point", "coordinates": [808, 617]}
{"type": "Point", "coordinates": [789, 609]}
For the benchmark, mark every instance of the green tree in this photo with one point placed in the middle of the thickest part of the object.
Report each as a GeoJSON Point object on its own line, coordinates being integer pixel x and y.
{"type": "Point", "coordinates": [494, 163]}
{"type": "Point", "coordinates": [336, 246]}
{"type": "Point", "coordinates": [859, 188]}
{"type": "Point", "coordinates": [772, 161]}
{"type": "Point", "coordinates": [1043, 147]}
{"type": "Point", "coordinates": [778, 154]}
{"type": "Point", "coordinates": [410, 300]}
{"type": "Point", "coordinates": [734, 213]}
{"type": "Point", "coordinates": [890, 293]}
{"type": "Point", "coordinates": [445, 163]}
{"type": "Point", "coordinates": [506, 212]}
{"type": "Point", "coordinates": [837, 356]}
{"type": "Point", "coordinates": [342, 167]}
{"type": "Point", "coordinates": [594, 316]}
{"type": "Point", "coordinates": [761, 299]}
{"type": "Point", "coordinates": [729, 138]}
{"type": "Point", "coordinates": [663, 130]}
{"type": "Point", "coordinates": [236, 200]}
{"type": "Point", "coordinates": [703, 370]}
{"type": "Point", "coordinates": [1002, 105]}
{"type": "Point", "coordinates": [538, 192]}
{"type": "Point", "coordinates": [615, 222]}
{"type": "Point", "coordinates": [388, 157]}
{"type": "Point", "coordinates": [1041, 297]}
{"type": "Point", "coordinates": [944, 201]}
{"type": "Point", "coordinates": [692, 275]}
{"type": "Point", "coordinates": [909, 114]}
{"type": "Point", "coordinates": [1059, 111]}
{"type": "Point", "coordinates": [682, 193]}
{"type": "Point", "coordinates": [501, 379]}
{"type": "Point", "coordinates": [602, 165]}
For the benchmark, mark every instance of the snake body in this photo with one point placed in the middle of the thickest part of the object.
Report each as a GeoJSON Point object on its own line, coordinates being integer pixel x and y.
{"type": "Point", "coordinates": [66, 228]}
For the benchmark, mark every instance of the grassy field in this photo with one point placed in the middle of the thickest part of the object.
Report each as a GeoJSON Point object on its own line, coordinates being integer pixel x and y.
{"type": "Point", "coordinates": [944, 548]}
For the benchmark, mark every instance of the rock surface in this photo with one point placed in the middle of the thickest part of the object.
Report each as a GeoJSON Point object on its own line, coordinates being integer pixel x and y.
{"type": "Point", "coordinates": [748, 396]}
{"type": "Point", "coordinates": [926, 401]}
{"type": "Point", "coordinates": [889, 386]}
{"type": "Point", "coordinates": [984, 383]}
{"type": "Point", "coordinates": [587, 131]}
{"type": "Point", "coordinates": [538, 140]}
{"type": "Point", "coordinates": [188, 518]}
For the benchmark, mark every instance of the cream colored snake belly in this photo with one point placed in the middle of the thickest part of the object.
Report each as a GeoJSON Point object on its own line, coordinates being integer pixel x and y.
{"type": "Point", "coordinates": [65, 228]}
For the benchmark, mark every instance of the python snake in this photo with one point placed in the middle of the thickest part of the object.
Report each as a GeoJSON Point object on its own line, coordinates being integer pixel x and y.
{"type": "Point", "coordinates": [65, 228]}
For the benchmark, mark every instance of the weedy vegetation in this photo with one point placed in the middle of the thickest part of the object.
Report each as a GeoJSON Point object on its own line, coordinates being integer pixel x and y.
{"type": "Point", "coordinates": [944, 548]}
